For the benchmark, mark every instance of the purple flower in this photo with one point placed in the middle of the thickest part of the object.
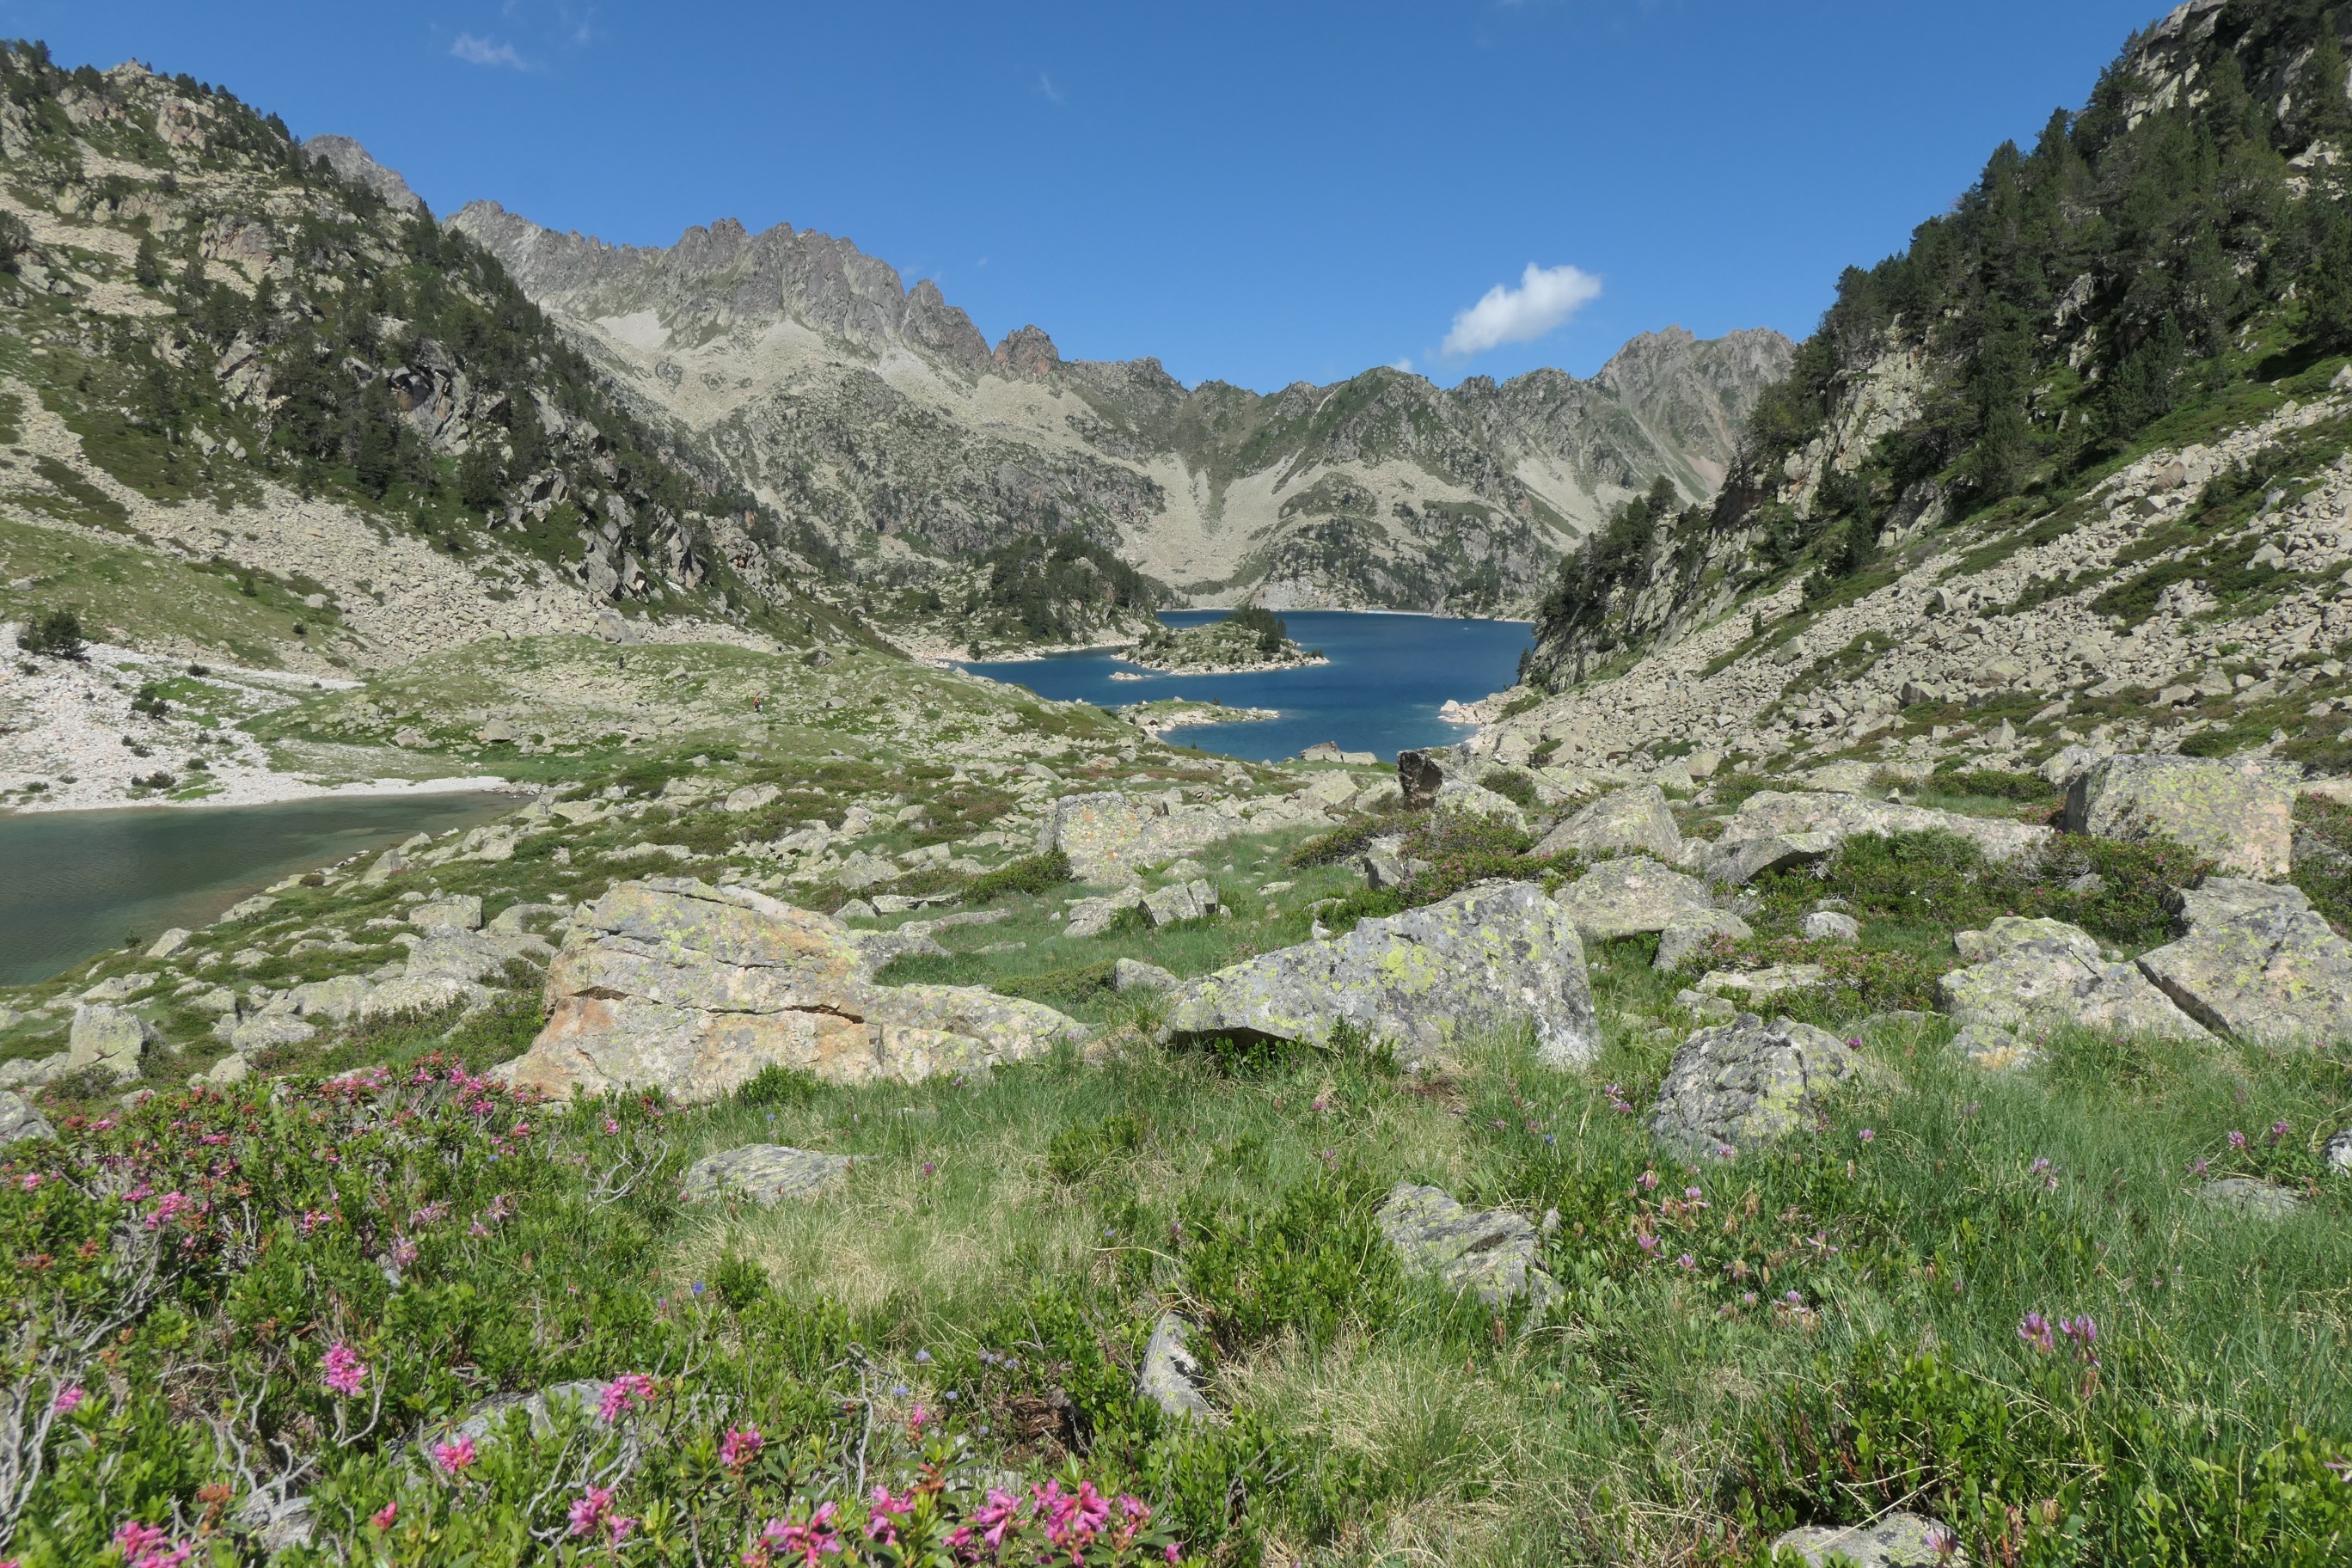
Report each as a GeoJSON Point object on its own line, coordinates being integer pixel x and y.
{"type": "Point", "coordinates": [1869, 1136]}
{"type": "Point", "coordinates": [345, 1372]}
{"type": "Point", "coordinates": [2237, 1138]}
{"type": "Point", "coordinates": [2034, 1329]}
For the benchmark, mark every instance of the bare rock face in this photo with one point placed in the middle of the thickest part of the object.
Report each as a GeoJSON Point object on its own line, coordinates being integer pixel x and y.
{"type": "Point", "coordinates": [1492, 1254]}
{"type": "Point", "coordinates": [2257, 962]}
{"type": "Point", "coordinates": [672, 983]}
{"type": "Point", "coordinates": [114, 1039]}
{"type": "Point", "coordinates": [1749, 1083]}
{"type": "Point", "coordinates": [1771, 811]}
{"type": "Point", "coordinates": [1895, 1540]}
{"type": "Point", "coordinates": [350, 161]}
{"type": "Point", "coordinates": [766, 1174]}
{"type": "Point", "coordinates": [1109, 835]}
{"type": "Point", "coordinates": [1631, 896]}
{"type": "Point", "coordinates": [1632, 819]}
{"type": "Point", "coordinates": [19, 1121]}
{"type": "Point", "coordinates": [2237, 812]}
{"type": "Point", "coordinates": [1494, 957]}
{"type": "Point", "coordinates": [2037, 975]}
{"type": "Point", "coordinates": [1420, 777]}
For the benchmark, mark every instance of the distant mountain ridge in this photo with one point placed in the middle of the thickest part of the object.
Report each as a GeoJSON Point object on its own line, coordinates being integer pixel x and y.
{"type": "Point", "coordinates": [879, 418]}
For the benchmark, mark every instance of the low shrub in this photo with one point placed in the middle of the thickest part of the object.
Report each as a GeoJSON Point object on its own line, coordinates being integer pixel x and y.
{"type": "Point", "coordinates": [57, 635]}
{"type": "Point", "coordinates": [1030, 874]}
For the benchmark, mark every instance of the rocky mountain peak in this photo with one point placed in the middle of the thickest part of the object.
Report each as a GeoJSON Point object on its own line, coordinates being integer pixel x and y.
{"type": "Point", "coordinates": [351, 163]}
{"type": "Point", "coordinates": [1028, 354]}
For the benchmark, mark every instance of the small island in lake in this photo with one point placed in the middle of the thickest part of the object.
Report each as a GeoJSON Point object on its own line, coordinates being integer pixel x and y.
{"type": "Point", "coordinates": [1251, 639]}
{"type": "Point", "coordinates": [1156, 719]}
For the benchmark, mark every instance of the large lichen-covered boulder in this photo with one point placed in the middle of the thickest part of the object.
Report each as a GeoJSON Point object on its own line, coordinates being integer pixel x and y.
{"type": "Point", "coordinates": [1110, 834]}
{"type": "Point", "coordinates": [1495, 957]}
{"type": "Point", "coordinates": [114, 1039]}
{"type": "Point", "coordinates": [19, 1121]}
{"type": "Point", "coordinates": [2032, 976]}
{"type": "Point", "coordinates": [1632, 819]}
{"type": "Point", "coordinates": [2257, 962]}
{"type": "Point", "coordinates": [2236, 811]}
{"type": "Point", "coordinates": [1747, 1083]}
{"type": "Point", "coordinates": [1769, 813]}
{"type": "Point", "coordinates": [1895, 1540]}
{"type": "Point", "coordinates": [672, 983]}
{"type": "Point", "coordinates": [1632, 896]}
{"type": "Point", "coordinates": [1492, 1254]}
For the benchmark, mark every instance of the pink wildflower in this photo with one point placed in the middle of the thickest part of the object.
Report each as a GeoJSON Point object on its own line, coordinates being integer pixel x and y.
{"type": "Point", "coordinates": [455, 1457]}
{"type": "Point", "coordinates": [345, 1372]}
{"type": "Point", "coordinates": [884, 1514]}
{"type": "Point", "coordinates": [997, 1515]}
{"type": "Point", "coordinates": [382, 1517]}
{"type": "Point", "coordinates": [2237, 1138]}
{"type": "Point", "coordinates": [740, 1446]}
{"type": "Point", "coordinates": [1869, 1135]}
{"type": "Point", "coordinates": [30, 1181]}
{"type": "Point", "coordinates": [588, 1513]}
{"type": "Point", "coordinates": [2034, 1329]}
{"type": "Point", "coordinates": [69, 1398]}
{"type": "Point", "coordinates": [630, 1390]}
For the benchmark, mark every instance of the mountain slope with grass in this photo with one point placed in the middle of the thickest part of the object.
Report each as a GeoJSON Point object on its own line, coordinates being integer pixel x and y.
{"type": "Point", "coordinates": [2073, 462]}
{"type": "Point", "coordinates": [881, 416]}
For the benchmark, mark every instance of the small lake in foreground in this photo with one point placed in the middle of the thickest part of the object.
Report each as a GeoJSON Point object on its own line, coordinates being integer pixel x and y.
{"type": "Point", "coordinates": [1388, 676]}
{"type": "Point", "coordinates": [75, 883]}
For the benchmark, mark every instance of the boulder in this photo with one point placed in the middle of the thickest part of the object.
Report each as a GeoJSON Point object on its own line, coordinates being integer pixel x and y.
{"type": "Point", "coordinates": [2252, 1197]}
{"type": "Point", "coordinates": [2257, 962]}
{"type": "Point", "coordinates": [1493, 957]}
{"type": "Point", "coordinates": [862, 871]}
{"type": "Point", "coordinates": [1747, 1083]}
{"type": "Point", "coordinates": [1383, 797]}
{"type": "Point", "coordinates": [1110, 834]}
{"type": "Point", "coordinates": [19, 1121]}
{"type": "Point", "coordinates": [2339, 1153]}
{"type": "Point", "coordinates": [230, 1070]}
{"type": "Point", "coordinates": [170, 943]}
{"type": "Point", "coordinates": [672, 983]}
{"type": "Point", "coordinates": [1735, 862]}
{"type": "Point", "coordinates": [1331, 790]}
{"type": "Point", "coordinates": [1769, 813]}
{"type": "Point", "coordinates": [1635, 820]}
{"type": "Point", "coordinates": [1994, 1050]}
{"type": "Point", "coordinates": [2236, 812]}
{"type": "Point", "coordinates": [2071, 763]}
{"type": "Point", "coordinates": [1171, 1376]}
{"type": "Point", "coordinates": [1492, 1254]}
{"type": "Point", "coordinates": [413, 996]}
{"type": "Point", "coordinates": [266, 1029]}
{"type": "Point", "coordinates": [1383, 868]}
{"type": "Point", "coordinates": [1195, 901]}
{"type": "Point", "coordinates": [766, 1174]}
{"type": "Point", "coordinates": [463, 912]}
{"type": "Point", "coordinates": [385, 867]}
{"type": "Point", "coordinates": [1092, 916]}
{"type": "Point", "coordinates": [1631, 896]}
{"type": "Point", "coordinates": [1694, 933]}
{"type": "Point", "coordinates": [1477, 800]}
{"type": "Point", "coordinates": [1131, 974]}
{"type": "Point", "coordinates": [1895, 1540]}
{"type": "Point", "coordinates": [1755, 984]}
{"type": "Point", "coordinates": [1419, 778]}
{"type": "Point", "coordinates": [111, 1037]}
{"type": "Point", "coordinates": [751, 797]}
{"type": "Point", "coordinates": [247, 909]}
{"type": "Point", "coordinates": [2035, 980]}
{"type": "Point", "coordinates": [485, 1421]}
{"type": "Point", "coordinates": [1828, 925]}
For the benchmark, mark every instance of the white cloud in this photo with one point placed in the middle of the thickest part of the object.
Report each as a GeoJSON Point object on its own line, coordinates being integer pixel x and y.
{"type": "Point", "coordinates": [1544, 300]}
{"type": "Point", "coordinates": [1404, 364]}
{"type": "Point", "coordinates": [1046, 85]}
{"type": "Point", "coordinates": [477, 51]}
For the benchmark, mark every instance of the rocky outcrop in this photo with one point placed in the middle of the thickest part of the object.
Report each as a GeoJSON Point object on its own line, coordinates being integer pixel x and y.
{"type": "Point", "coordinates": [1747, 1083]}
{"type": "Point", "coordinates": [1108, 835]}
{"type": "Point", "coordinates": [112, 1039]}
{"type": "Point", "coordinates": [1769, 813]}
{"type": "Point", "coordinates": [1895, 1541]}
{"type": "Point", "coordinates": [2237, 812]}
{"type": "Point", "coordinates": [765, 1173]}
{"type": "Point", "coordinates": [2258, 963]}
{"type": "Point", "coordinates": [675, 984]}
{"type": "Point", "coordinates": [2252, 1197]}
{"type": "Point", "coordinates": [1492, 1254]}
{"type": "Point", "coordinates": [1630, 821]}
{"type": "Point", "coordinates": [2035, 975]}
{"type": "Point", "coordinates": [1631, 897]}
{"type": "Point", "coordinates": [1496, 957]}
{"type": "Point", "coordinates": [19, 1121]}
{"type": "Point", "coordinates": [1171, 1376]}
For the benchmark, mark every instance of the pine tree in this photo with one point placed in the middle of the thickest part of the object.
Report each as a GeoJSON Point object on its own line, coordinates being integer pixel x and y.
{"type": "Point", "coordinates": [477, 476]}
{"type": "Point", "coordinates": [146, 265]}
{"type": "Point", "coordinates": [2326, 285]}
{"type": "Point", "coordinates": [2325, 111]}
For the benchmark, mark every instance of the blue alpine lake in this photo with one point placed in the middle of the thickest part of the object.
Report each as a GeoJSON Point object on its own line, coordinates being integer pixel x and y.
{"type": "Point", "coordinates": [1388, 676]}
{"type": "Point", "coordinates": [75, 883]}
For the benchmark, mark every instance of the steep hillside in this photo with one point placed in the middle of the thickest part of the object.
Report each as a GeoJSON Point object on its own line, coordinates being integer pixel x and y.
{"type": "Point", "coordinates": [2072, 467]}
{"type": "Point", "coordinates": [258, 405]}
{"type": "Point", "coordinates": [878, 416]}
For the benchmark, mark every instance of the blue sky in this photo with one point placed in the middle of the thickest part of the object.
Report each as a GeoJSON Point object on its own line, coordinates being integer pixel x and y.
{"type": "Point", "coordinates": [1260, 191]}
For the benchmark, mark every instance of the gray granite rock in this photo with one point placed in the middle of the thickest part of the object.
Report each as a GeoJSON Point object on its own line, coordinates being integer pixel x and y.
{"type": "Point", "coordinates": [2035, 980]}
{"type": "Point", "coordinates": [1171, 1376]}
{"type": "Point", "coordinates": [1194, 901]}
{"type": "Point", "coordinates": [2257, 962]}
{"type": "Point", "coordinates": [1828, 925]}
{"type": "Point", "coordinates": [1769, 813]}
{"type": "Point", "coordinates": [1634, 820]}
{"type": "Point", "coordinates": [2339, 1153]}
{"type": "Point", "coordinates": [2250, 1196]}
{"type": "Point", "coordinates": [767, 1173]}
{"type": "Point", "coordinates": [462, 913]}
{"type": "Point", "coordinates": [1694, 934]}
{"type": "Point", "coordinates": [1492, 1254]}
{"type": "Point", "coordinates": [1995, 1050]}
{"type": "Point", "coordinates": [1092, 916]}
{"type": "Point", "coordinates": [1747, 1083]}
{"type": "Point", "coordinates": [1420, 776]}
{"type": "Point", "coordinates": [1631, 896]}
{"type": "Point", "coordinates": [19, 1121]}
{"type": "Point", "coordinates": [2236, 811]}
{"type": "Point", "coordinates": [1132, 974]}
{"type": "Point", "coordinates": [1895, 1541]}
{"type": "Point", "coordinates": [112, 1038]}
{"type": "Point", "coordinates": [1735, 862]}
{"type": "Point", "coordinates": [1494, 957]}
{"type": "Point", "coordinates": [1108, 834]}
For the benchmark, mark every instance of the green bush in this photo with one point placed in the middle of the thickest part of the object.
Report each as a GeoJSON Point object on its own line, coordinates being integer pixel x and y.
{"type": "Point", "coordinates": [1512, 786]}
{"type": "Point", "coordinates": [57, 635]}
{"type": "Point", "coordinates": [1030, 874]}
